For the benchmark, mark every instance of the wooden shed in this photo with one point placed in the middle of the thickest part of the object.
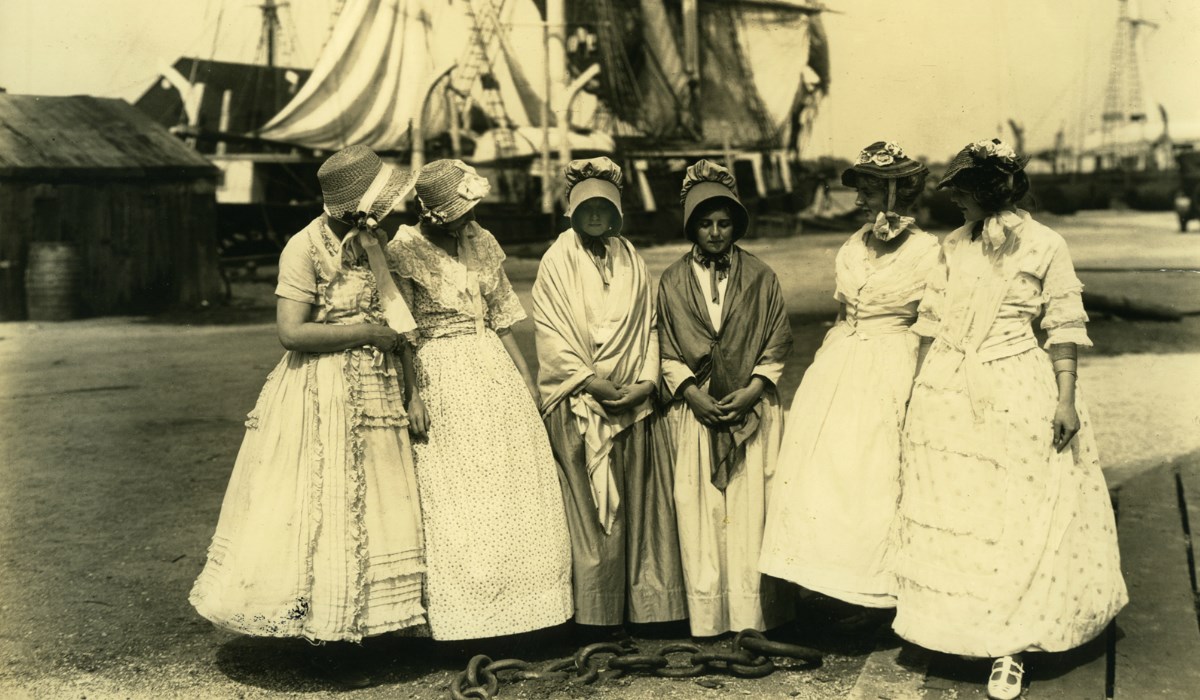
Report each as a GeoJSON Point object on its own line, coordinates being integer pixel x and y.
{"type": "Point", "coordinates": [134, 205]}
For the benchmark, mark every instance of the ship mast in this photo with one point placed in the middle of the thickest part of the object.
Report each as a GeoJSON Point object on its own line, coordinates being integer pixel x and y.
{"type": "Point", "coordinates": [270, 24]}
{"type": "Point", "coordinates": [1123, 98]}
{"type": "Point", "coordinates": [274, 86]}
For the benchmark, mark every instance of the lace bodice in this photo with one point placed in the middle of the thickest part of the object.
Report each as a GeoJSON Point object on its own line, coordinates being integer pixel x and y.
{"type": "Point", "coordinates": [450, 296]}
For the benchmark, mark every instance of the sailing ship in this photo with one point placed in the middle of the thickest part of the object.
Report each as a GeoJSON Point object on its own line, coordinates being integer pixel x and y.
{"type": "Point", "coordinates": [518, 87]}
{"type": "Point", "coordinates": [1131, 155]}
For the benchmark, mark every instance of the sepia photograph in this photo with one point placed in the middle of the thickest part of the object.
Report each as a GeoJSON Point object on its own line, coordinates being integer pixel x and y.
{"type": "Point", "coordinates": [629, 349]}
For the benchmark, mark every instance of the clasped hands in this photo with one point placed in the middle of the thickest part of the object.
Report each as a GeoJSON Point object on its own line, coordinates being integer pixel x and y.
{"type": "Point", "coordinates": [383, 338]}
{"type": "Point", "coordinates": [618, 398]}
{"type": "Point", "coordinates": [726, 411]}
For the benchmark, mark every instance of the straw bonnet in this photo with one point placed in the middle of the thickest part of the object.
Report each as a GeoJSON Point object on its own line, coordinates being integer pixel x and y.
{"type": "Point", "coordinates": [351, 174]}
{"type": "Point", "coordinates": [884, 160]}
{"type": "Point", "coordinates": [447, 189]}
{"type": "Point", "coordinates": [982, 156]}
{"type": "Point", "coordinates": [594, 178]}
{"type": "Point", "coordinates": [704, 181]}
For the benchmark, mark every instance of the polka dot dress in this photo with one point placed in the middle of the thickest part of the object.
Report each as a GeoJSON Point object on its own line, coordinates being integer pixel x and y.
{"type": "Point", "coordinates": [497, 550]}
{"type": "Point", "coordinates": [1003, 544]}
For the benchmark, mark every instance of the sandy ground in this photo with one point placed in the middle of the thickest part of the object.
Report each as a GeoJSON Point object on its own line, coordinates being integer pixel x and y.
{"type": "Point", "coordinates": [118, 436]}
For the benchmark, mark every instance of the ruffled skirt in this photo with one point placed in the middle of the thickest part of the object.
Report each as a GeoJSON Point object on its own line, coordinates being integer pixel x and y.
{"type": "Point", "coordinates": [320, 533]}
{"type": "Point", "coordinates": [1004, 544]}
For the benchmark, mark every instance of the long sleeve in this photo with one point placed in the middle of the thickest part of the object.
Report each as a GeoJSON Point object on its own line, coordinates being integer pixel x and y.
{"type": "Point", "coordinates": [651, 368]}
{"type": "Point", "coordinates": [929, 312]}
{"type": "Point", "coordinates": [674, 374]}
{"type": "Point", "coordinates": [1064, 318]}
{"type": "Point", "coordinates": [770, 371]}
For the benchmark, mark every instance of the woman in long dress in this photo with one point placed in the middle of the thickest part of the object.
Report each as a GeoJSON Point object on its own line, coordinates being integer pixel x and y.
{"type": "Point", "coordinates": [497, 550]}
{"type": "Point", "coordinates": [320, 534]}
{"type": "Point", "coordinates": [724, 337]}
{"type": "Point", "coordinates": [837, 486]}
{"type": "Point", "coordinates": [597, 372]}
{"type": "Point", "coordinates": [1007, 542]}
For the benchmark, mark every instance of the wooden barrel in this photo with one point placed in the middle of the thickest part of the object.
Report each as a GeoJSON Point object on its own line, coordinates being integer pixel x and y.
{"type": "Point", "coordinates": [52, 280]}
{"type": "Point", "coordinates": [12, 290]}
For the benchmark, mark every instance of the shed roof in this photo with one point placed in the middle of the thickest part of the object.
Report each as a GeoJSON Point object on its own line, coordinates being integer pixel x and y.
{"type": "Point", "coordinates": [56, 138]}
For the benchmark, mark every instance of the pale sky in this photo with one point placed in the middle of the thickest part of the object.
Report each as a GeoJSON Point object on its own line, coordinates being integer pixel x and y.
{"type": "Point", "coordinates": [929, 74]}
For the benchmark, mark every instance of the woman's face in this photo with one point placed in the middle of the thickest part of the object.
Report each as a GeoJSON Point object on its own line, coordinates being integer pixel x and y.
{"type": "Point", "coordinates": [459, 223]}
{"type": "Point", "coordinates": [967, 203]}
{"type": "Point", "coordinates": [594, 217]}
{"type": "Point", "coordinates": [392, 220]}
{"type": "Point", "coordinates": [871, 199]}
{"type": "Point", "coordinates": [714, 231]}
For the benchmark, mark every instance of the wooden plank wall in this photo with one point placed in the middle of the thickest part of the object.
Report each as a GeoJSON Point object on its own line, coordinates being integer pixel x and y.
{"type": "Point", "coordinates": [144, 246]}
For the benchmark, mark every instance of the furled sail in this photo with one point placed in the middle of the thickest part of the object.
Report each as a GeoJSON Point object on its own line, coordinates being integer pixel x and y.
{"type": "Point", "coordinates": [369, 81]}
{"type": "Point", "coordinates": [763, 68]}
{"type": "Point", "coordinates": [381, 61]}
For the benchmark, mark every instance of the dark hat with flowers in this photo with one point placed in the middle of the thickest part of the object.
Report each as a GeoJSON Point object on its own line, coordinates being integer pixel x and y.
{"type": "Point", "coordinates": [882, 159]}
{"type": "Point", "coordinates": [989, 155]}
{"type": "Point", "coordinates": [706, 180]}
{"type": "Point", "coordinates": [594, 178]}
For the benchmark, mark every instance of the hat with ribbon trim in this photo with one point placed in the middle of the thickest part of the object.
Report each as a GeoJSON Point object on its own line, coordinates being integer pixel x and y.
{"type": "Point", "coordinates": [705, 180]}
{"type": "Point", "coordinates": [448, 189]}
{"type": "Point", "coordinates": [360, 189]}
{"type": "Point", "coordinates": [594, 178]}
{"type": "Point", "coordinates": [982, 156]}
{"type": "Point", "coordinates": [356, 181]}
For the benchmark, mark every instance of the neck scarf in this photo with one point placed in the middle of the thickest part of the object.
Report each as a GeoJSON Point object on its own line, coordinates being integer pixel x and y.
{"type": "Point", "coordinates": [597, 249]}
{"type": "Point", "coordinates": [995, 229]}
{"type": "Point", "coordinates": [717, 266]}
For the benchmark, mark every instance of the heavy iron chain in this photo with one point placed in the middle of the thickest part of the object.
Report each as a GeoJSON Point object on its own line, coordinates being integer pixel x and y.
{"type": "Point", "coordinates": [750, 658]}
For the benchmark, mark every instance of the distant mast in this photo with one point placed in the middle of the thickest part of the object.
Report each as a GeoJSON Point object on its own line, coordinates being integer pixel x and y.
{"type": "Point", "coordinates": [1123, 102]}
{"type": "Point", "coordinates": [270, 23]}
{"type": "Point", "coordinates": [273, 88]}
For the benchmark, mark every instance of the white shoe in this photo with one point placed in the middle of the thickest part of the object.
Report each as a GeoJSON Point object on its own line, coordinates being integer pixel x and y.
{"type": "Point", "coordinates": [1005, 681]}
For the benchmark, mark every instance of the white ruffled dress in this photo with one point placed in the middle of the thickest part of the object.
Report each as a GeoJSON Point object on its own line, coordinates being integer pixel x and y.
{"type": "Point", "coordinates": [320, 534]}
{"type": "Point", "coordinates": [1004, 545]}
{"type": "Point", "coordinates": [837, 483]}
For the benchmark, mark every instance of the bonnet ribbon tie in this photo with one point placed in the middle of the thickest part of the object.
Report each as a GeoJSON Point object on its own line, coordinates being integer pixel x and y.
{"type": "Point", "coordinates": [996, 229]}
{"type": "Point", "coordinates": [366, 232]}
{"type": "Point", "coordinates": [597, 248]}
{"type": "Point", "coordinates": [888, 225]}
{"type": "Point", "coordinates": [718, 269]}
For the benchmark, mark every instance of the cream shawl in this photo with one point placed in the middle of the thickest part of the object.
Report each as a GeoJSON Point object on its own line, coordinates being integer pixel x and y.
{"type": "Point", "coordinates": [567, 354]}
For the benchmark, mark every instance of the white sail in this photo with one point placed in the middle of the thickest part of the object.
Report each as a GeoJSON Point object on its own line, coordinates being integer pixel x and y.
{"type": "Point", "coordinates": [368, 82]}
{"type": "Point", "coordinates": [776, 45]}
{"type": "Point", "coordinates": [372, 79]}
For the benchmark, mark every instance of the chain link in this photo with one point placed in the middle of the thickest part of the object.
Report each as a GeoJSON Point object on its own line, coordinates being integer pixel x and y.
{"type": "Point", "coordinates": [751, 657]}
